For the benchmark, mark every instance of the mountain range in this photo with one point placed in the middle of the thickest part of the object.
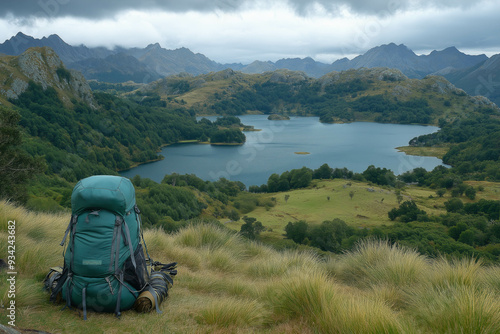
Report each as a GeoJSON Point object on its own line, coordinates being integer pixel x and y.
{"type": "Point", "coordinates": [476, 74]}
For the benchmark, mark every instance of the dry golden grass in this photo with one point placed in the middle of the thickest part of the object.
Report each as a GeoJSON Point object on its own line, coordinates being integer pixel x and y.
{"type": "Point", "coordinates": [227, 284]}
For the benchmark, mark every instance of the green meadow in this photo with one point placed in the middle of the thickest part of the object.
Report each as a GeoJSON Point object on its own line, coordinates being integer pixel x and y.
{"type": "Point", "coordinates": [329, 199]}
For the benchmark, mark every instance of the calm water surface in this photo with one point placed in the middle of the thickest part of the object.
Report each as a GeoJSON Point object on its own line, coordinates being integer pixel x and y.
{"type": "Point", "coordinates": [272, 150]}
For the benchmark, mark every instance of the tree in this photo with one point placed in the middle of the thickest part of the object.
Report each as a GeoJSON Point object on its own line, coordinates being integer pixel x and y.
{"type": "Point", "coordinates": [399, 197]}
{"type": "Point", "coordinates": [233, 215]}
{"type": "Point", "coordinates": [296, 231]}
{"type": "Point", "coordinates": [251, 228]}
{"type": "Point", "coordinates": [300, 178]}
{"type": "Point", "coordinates": [284, 183]}
{"type": "Point", "coordinates": [287, 196]}
{"type": "Point", "coordinates": [490, 208]}
{"type": "Point", "coordinates": [323, 172]}
{"type": "Point", "coordinates": [454, 205]}
{"type": "Point", "coordinates": [470, 192]}
{"type": "Point", "coordinates": [456, 231]}
{"type": "Point", "coordinates": [393, 214]}
{"type": "Point", "coordinates": [380, 176]}
{"type": "Point", "coordinates": [441, 192]}
{"type": "Point", "coordinates": [16, 167]}
{"type": "Point", "coordinates": [329, 235]}
{"type": "Point", "coordinates": [467, 237]}
{"type": "Point", "coordinates": [408, 211]}
{"type": "Point", "coordinates": [272, 183]}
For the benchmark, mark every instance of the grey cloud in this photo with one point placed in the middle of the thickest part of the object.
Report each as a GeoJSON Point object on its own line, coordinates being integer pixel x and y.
{"type": "Point", "coordinates": [103, 8]}
{"type": "Point", "coordinates": [377, 7]}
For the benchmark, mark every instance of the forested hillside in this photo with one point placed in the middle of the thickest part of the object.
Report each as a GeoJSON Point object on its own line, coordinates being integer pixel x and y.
{"type": "Point", "coordinates": [379, 94]}
{"type": "Point", "coordinates": [72, 136]}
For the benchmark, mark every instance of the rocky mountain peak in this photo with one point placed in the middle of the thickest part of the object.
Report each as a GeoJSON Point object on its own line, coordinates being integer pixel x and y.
{"type": "Point", "coordinates": [22, 35]}
{"type": "Point", "coordinates": [451, 49]}
{"type": "Point", "coordinates": [391, 48]}
{"type": "Point", "coordinates": [42, 66]}
{"type": "Point", "coordinates": [55, 39]}
{"type": "Point", "coordinates": [155, 46]}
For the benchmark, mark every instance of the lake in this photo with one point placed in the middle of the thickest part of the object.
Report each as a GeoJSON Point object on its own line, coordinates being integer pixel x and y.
{"type": "Point", "coordinates": [272, 150]}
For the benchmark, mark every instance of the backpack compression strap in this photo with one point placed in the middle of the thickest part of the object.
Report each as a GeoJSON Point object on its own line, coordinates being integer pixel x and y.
{"type": "Point", "coordinates": [121, 228]}
{"type": "Point", "coordinates": [119, 297]}
{"type": "Point", "coordinates": [139, 226]}
{"type": "Point", "coordinates": [128, 241]}
{"type": "Point", "coordinates": [84, 302]}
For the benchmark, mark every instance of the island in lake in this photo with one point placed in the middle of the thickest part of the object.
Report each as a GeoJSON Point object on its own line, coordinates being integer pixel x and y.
{"type": "Point", "coordinates": [278, 117]}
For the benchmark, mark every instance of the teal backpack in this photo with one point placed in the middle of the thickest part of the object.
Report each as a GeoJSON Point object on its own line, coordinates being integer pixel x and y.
{"type": "Point", "coordinates": [105, 268]}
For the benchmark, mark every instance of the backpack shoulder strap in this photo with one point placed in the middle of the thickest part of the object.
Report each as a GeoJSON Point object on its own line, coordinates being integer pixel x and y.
{"type": "Point", "coordinates": [72, 222]}
{"type": "Point", "coordinates": [115, 244]}
{"type": "Point", "coordinates": [128, 241]}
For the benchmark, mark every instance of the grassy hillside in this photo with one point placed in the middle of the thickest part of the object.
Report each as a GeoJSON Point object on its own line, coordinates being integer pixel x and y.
{"type": "Point", "coordinates": [227, 285]}
{"type": "Point", "coordinates": [368, 207]}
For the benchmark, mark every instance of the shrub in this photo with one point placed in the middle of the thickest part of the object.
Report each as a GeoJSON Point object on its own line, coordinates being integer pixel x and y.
{"type": "Point", "coordinates": [454, 205]}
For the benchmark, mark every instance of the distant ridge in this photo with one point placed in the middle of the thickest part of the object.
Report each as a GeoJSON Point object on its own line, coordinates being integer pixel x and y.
{"type": "Point", "coordinates": [152, 62]}
{"type": "Point", "coordinates": [148, 64]}
{"type": "Point", "coordinates": [16, 45]}
{"type": "Point", "coordinates": [480, 79]}
{"type": "Point", "coordinates": [405, 60]}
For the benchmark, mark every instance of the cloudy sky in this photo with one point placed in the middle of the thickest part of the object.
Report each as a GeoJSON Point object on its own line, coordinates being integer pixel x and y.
{"type": "Point", "coordinates": [246, 30]}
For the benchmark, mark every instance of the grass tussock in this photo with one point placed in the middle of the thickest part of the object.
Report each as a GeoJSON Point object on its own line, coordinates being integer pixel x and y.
{"type": "Point", "coordinates": [376, 262]}
{"type": "Point", "coordinates": [227, 284]}
{"type": "Point", "coordinates": [491, 278]}
{"type": "Point", "coordinates": [456, 272]}
{"type": "Point", "coordinates": [328, 308]}
{"type": "Point", "coordinates": [302, 295]}
{"type": "Point", "coordinates": [457, 309]}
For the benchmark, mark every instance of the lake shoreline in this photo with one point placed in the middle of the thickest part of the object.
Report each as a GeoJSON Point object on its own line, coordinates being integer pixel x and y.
{"type": "Point", "coordinates": [299, 142]}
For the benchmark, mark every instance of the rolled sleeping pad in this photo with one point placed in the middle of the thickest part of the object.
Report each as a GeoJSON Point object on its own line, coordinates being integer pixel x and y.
{"type": "Point", "coordinates": [152, 298]}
